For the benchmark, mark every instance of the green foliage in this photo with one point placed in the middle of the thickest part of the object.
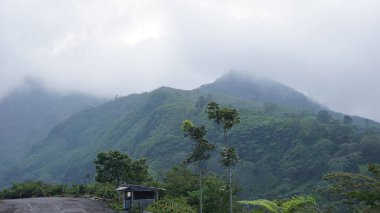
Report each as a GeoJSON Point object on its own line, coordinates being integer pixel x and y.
{"type": "Point", "coordinates": [324, 116]}
{"type": "Point", "coordinates": [201, 150]}
{"type": "Point", "coordinates": [171, 205]}
{"type": "Point", "coordinates": [370, 147]}
{"type": "Point", "coordinates": [27, 117]}
{"type": "Point", "coordinates": [224, 116]}
{"type": "Point", "coordinates": [270, 108]}
{"type": "Point", "coordinates": [292, 205]}
{"type": "Point", "coordinates": [117, 205]}
{"type": "Point", "coordinates": [102, 190]}
{"type": "Point", "coordinates": [299, 204]}
{"type": "Point", "coordinates": [139, 172]}
{"type": "Point", "coordinates": [26, 190]}
{"type": "Point", "coordinates": [30, 189]}
{"type": "Point", "coordinates": [358, 190]}
{"type": "Point", "coordinates": [285, 153]}
{"type": "Point", "coordinates": [202, 147]}
{"type": "Point", "coordinates": [77, 190]}
{"type": "Point", "coordinates": [57, 189]}
{"type": "Point", "coordinates": [263, 205]}
{"type": "Point", "coordinates": [347, 119]}
{"type": "Point", "coordinates": [374, 169]}
{"type": "Point", "coordinates": [229, 157]}
{"type": "Point", "coordinates": [179, 181]}
{"type": "Point", "coordinates": [215, 195]}
{"type": "Point", "coordinates": [114, 166]}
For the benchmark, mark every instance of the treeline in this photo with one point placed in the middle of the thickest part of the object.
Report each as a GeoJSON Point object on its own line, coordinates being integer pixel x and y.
{"type": "Point", "coordinates": [30, 189]}
{"type": "Point", "coordinates": [343, 192]}
{"type": "Point", "coordinates": [180, 184]}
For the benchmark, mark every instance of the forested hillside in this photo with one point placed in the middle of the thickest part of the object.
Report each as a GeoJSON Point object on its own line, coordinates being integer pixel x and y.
{"type": "Point", "coordinates": [283, 150]}
{"type": "Point", "coordinates": [28, 114]}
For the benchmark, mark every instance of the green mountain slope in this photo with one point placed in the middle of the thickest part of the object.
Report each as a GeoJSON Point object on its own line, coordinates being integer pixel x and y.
{"type": "Point", "coordinates": [284, 150]}
{"type": "Point", "coordinates": [28, 115]}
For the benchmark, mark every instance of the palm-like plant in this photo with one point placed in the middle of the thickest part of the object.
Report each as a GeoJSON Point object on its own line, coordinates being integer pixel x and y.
{"type": "Point", "coordinates": [292, 205]}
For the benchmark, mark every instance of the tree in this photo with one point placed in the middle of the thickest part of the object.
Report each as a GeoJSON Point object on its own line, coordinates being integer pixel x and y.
{"type": "Point", "coordinates": [216, 194]}
{"type": "Point", "coordinates": [359, 189]}
{"type": "Point", "coordinates": [347, 119]}
{"type": "Point", "coordinates": [201, 103]}
{"type": "Point", "coordinates": [324, 116]}
{"type": "Point", "coordinates": [139, 172]}
{"type": "Point", "coordinates": [179, 181]}
{"type": "Point", "coordinates": [370, 147]}
{"type": "Point", "coordinates": [115, 166]}
{"type": "Point", "coordinates": [201, 150]}
{"type": "Point", "coordinates": [226, 118]}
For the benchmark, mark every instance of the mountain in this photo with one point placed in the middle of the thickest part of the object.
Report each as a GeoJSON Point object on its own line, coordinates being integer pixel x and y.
{"type": "Point", "coordinates": [27, 116]}
{"type": "Point", "coordinates": [259, 89]}
{"type": "Point", "coordinates": [284, 150]}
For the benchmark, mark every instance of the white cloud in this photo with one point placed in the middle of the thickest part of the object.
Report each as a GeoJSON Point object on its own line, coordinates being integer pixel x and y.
{"type": "Point", "coordinates": [145, 30]}
{"type": "Point", "coordinates": [328, 48]}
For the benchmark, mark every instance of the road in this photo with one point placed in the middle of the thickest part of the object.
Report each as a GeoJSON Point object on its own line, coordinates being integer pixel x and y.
{"type": "Point", "coordinates": [53, 205]}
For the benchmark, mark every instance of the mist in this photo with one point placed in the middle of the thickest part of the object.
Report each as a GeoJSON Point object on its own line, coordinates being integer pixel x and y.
{"type": "Point", "coordinates": [327, 49]}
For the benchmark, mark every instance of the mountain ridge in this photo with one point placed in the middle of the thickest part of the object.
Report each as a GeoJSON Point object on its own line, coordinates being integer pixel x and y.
{"type": "Point", "coordinates": [274, 141]}
{"type": "Point", "coordinates": [28, 114]}
{"type": "Point", "coordinates": [259, 89]}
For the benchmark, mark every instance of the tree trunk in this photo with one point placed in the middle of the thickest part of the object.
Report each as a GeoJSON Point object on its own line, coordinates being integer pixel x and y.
{"type": "Point", "coordinates": [229, 168]}
{"type": "Point", "coordinates": [200, 189]}
{"type": "Point", "coordinates": [117, 181]}
{"type": "Point", "coordinates": [225, 137]}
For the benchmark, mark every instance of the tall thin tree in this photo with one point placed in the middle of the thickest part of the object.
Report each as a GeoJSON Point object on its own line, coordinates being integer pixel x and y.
{"type": "Point", "coordinates": [225, 117]}
{"type": "Point", "coordinates": [201, 151]}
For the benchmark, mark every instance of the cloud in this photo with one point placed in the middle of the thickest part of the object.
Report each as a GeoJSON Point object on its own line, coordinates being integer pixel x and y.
{"type": "Point", "coordinates": [326, 49]}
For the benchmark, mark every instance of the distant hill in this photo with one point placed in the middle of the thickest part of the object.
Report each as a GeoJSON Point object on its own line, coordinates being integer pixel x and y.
{"type": "Point", "coordinates": [27, 115]}
{"type": "Point", "coordinates": [263, 90]}
{"type": "Point", "coordinates": [284, 148]}
{"type": "Point", "coordinates": [259, 89]}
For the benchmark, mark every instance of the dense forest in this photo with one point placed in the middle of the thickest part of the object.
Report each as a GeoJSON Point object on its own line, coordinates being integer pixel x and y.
{"type": "Point", "coordinates": [179, 192]}
{"type": "Point", "coordinates": [28, 114]}
{"type": "Point", "coordinates": [284, 150]}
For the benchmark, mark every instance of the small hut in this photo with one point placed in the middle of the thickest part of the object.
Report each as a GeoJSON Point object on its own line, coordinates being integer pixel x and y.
{"type": "Point", "coordinates": [137, 196]}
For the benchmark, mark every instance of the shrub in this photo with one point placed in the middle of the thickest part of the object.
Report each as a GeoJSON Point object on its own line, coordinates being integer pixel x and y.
{"type": "Point", "coordinates": [171, 205]}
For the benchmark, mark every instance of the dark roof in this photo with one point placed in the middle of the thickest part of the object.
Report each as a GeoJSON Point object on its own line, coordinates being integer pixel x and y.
{"type": "Point", "coordinates": [140, 188]}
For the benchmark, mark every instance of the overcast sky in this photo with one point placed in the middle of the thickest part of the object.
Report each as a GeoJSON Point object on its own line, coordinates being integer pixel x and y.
{"type": "Point", "coordinates": [327, 49]}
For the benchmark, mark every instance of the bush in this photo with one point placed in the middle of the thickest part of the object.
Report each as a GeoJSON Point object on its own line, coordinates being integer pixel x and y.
{"type": "Point", "coordinates": [57, 189]}
{"type": "Point", "coordinates": [25, 190]}
{"type": "Point", "coordinates": [102, 190]}
{"type": "Point", "coordinates": [77, 190]}
{"type": "Point", "coordinates": [171, 205]}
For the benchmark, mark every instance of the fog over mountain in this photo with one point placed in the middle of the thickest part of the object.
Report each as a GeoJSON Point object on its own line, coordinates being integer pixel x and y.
{"type": "Point", "coordinates": [283, 146]}
{"type": "Point", "coordinates": [28, 114]}
{"type": "Point", "coordinates": [326, 49]}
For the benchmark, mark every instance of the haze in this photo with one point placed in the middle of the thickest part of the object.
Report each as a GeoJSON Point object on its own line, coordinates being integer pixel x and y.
{"type": "Point", "coordinates": [327, 49]}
